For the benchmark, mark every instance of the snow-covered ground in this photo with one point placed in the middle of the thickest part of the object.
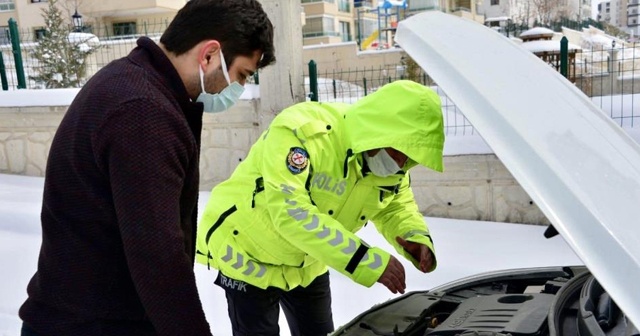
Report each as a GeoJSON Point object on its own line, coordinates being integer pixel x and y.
{"type": "Point", "coordinates": [463, 247]}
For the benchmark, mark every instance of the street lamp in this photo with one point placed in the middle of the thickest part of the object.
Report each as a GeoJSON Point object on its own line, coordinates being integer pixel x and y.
{"type": "Point", "coordinates": [77, 21]}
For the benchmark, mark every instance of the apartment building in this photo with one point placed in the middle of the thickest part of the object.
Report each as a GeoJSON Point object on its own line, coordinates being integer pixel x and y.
{"type": "Point", "coordinates": [334, 21]}
{"type": "Point", "coordinates": [633, 17]}
{"type": "Point", "coordinates": [526, 11]}
{"type": "Point", "coordinates": [604, 11]}
{"type": "Point", "coordinates": [108, 19]}
{"type": "Point", "coordinates": [624, 14]}
{"type": "Point", "coordinates": [325, 21]}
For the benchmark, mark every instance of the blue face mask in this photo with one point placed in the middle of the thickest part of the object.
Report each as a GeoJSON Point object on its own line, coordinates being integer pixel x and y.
{"type": "Point", "coordinates": [382, 164]}
{"type": "Point", "coordinates": [219, 102]}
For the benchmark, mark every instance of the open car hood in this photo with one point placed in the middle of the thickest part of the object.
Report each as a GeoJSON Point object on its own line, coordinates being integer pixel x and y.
{"type": "Point", "coordinates": [581, 169]}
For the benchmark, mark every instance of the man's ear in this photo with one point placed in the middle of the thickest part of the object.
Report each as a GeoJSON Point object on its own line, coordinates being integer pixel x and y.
{"type": "Point", "coordinates": [208, 55]}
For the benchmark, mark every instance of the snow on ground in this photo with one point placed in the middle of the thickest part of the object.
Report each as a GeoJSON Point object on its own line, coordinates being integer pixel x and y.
{"type": "Point", "coordinates": [463, 248]}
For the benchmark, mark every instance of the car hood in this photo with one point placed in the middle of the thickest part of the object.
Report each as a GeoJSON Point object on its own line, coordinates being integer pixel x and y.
{"type": "Point", "coordinates": [581, 169]}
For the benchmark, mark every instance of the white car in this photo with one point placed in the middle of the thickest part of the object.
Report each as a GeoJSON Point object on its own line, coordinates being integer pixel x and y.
{"type": "Point", "coordinates": [581, 169]}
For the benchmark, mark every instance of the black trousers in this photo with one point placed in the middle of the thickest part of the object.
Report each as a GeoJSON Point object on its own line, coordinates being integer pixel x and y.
{"type": "Point", "coordinates": [255, 312]}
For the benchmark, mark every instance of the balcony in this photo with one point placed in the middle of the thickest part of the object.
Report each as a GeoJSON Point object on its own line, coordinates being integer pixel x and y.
{"type": "Point", "coordinates": [320, 34]}
{"type": "Point", "coordinates": [362, 3]}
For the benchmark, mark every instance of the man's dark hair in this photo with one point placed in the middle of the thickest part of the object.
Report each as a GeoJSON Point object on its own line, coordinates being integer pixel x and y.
{"type": "Point", "coordinates": [241, 27]}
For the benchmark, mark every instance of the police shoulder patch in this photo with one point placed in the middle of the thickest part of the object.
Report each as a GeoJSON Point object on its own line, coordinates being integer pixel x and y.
{"type": "Point", "coordinates": [297, 160]}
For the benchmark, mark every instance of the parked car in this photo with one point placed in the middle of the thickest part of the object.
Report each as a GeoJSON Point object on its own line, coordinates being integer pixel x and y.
{"type": "Point", "coordinates": [580, 168]}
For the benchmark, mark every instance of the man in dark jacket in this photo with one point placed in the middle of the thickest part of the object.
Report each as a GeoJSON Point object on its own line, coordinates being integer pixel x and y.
{"type": "Point", "coordinates": [121, 186]}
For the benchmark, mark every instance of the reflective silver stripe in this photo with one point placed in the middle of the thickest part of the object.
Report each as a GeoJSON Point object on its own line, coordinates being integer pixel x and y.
{"type": "Point", "coordinates": [262, 271]}
{"type": "Point", "coordinates": [290, 202]}
{"type": "Point", "coordinates": [365, 257]}
{"type": "Point", "coordinates": [351, 248]}
{"type": "Point", "coordinates": [298, 213]}
{"type": "Point", "coordinates": [240, 261]}
{"type": "Point", "coordinates": [315, 222]}
{"type": "Point", "coordinates": [287, 189]}
{"type": "Point", "coordinates": [250, 267]}
{"type": "Point", "coordinates": [229, 254]}
{"type": "Point", "coordinates": [324, 234]}
{"type": "Point", "coordinates": [377, 261]}
{"type": "Point", "coordinates": [414, 233]}
{"type": "Point", "coordinates": [337, 240]}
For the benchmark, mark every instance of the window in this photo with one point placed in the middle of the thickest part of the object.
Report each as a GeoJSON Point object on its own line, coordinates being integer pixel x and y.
{"type": "Point", "coordinates": [344, 6]}
{"type": "Point", "coordinates": [495, 2]}
{"type": "Point", "coordinates": [39, 33]}
{"type": "Point", "coordinates": [7, 5]}
{"type": "Point", "coordinates": [4, 35]}
{"type": "Point", "coordinates": [124, 28]}
{"type": "Point", "coordinates": [319, 26]}
{"type": "Point", "coordinates": [345, 31]}
{"type": "Point", "coordinates": [416, 5]}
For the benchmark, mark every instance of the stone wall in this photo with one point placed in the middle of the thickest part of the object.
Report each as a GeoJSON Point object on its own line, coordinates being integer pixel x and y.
{"type": "Point", "coordinates": [476, 187]}
{"type": "Point", "coordinates": [25, 138]}
{"type": "Point", "coordinates": [26, 134]}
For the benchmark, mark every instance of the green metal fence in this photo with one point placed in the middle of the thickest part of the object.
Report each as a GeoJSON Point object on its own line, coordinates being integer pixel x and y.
{"type": "Point", "coordinates": [113, 43]}
{"type": "Point", "coordinates": [349, 85]}
{"type": "Point", "coordinates": [607, 73]}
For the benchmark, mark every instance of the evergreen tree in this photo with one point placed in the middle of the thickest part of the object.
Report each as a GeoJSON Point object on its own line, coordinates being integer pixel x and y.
{"type": "Point", "coordinates": [61, 62]}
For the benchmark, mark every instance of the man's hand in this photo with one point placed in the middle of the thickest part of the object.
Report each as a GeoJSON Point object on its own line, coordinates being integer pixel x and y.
{"type": "Point", "coordinates": [420, 252]}
{"type": "Point", "coordinates": [393, 276]}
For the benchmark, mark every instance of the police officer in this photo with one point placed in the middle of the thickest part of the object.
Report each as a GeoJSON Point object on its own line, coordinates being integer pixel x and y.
{"type": "Point", "coordinates": [291, 209]}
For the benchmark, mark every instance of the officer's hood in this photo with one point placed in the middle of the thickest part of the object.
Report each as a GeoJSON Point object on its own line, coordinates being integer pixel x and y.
{"type": "Point", "coordinates": [403, 115]}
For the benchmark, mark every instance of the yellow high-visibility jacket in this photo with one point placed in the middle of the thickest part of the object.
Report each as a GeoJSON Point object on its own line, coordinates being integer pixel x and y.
{"type": "Point", "coordinates": [292, 207]}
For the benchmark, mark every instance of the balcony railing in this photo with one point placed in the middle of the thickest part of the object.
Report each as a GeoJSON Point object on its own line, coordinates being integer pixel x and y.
{"type": "Point", "coordinates": [362, 3]}
{"type": "Point", "coordinates": [320, 34]}
{"type": "Point", "coordinates": [309, 1]}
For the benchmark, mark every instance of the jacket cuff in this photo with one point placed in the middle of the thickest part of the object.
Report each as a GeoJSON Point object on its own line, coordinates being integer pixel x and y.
{"type": "Point", "coordinates": [424, 240]}
{"type": "Point", "coordinates": [370, 270]}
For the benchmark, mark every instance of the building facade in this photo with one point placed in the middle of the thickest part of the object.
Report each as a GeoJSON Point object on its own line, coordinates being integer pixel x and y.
{"type": "Point", "coordinates": [108, 19]}
{"type": "Point", "coordinates": [527, 11]}
{"type": "Point", "coordinates": [324, 21]}
{"type": "Point", "coordinates": [334, 21]}
{"type": "Point", "coordinates": [623, 14]}
{"type": "Point", "coordinates": [633, 18]}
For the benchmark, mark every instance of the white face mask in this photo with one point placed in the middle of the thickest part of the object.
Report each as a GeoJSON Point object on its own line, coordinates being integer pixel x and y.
{"type": "Point", "coordinates": [382, 164]}
{"type": "Point", "coordinates": [219, 102]}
